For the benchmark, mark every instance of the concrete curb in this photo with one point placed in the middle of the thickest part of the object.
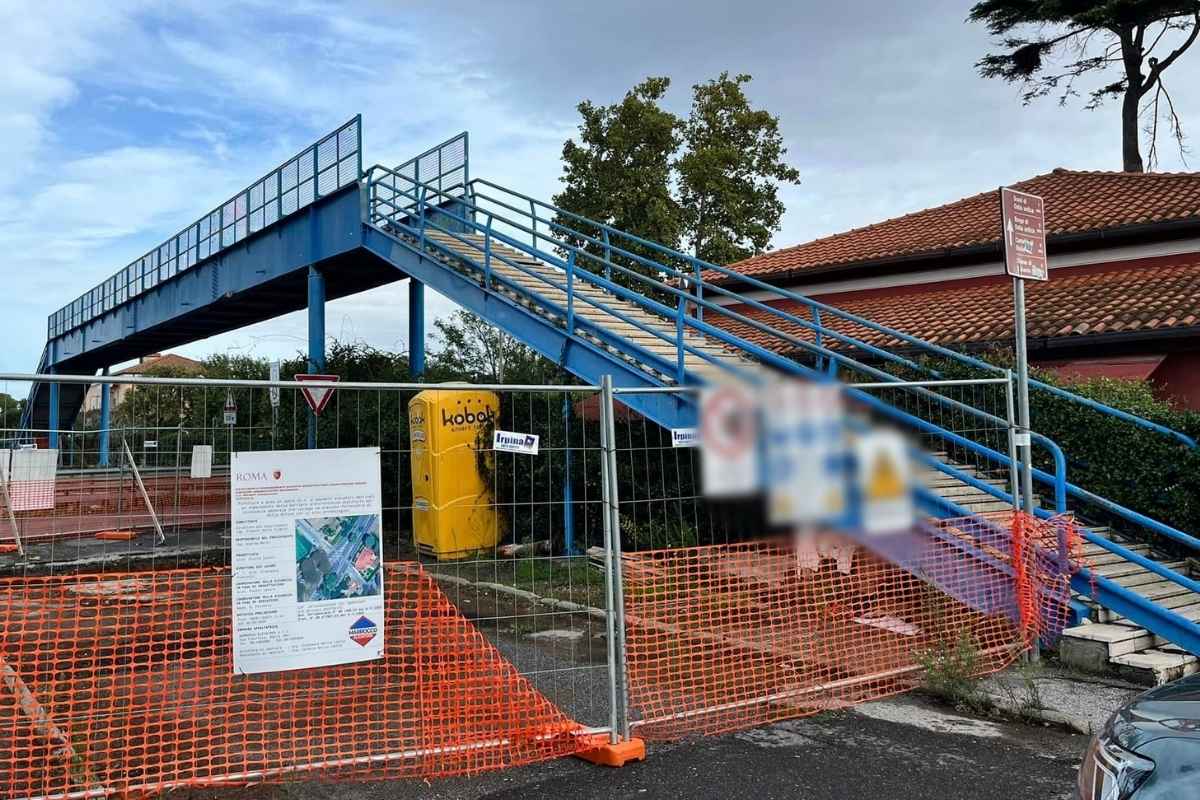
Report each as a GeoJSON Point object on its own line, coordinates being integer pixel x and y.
{"type": "Point", "coordinates": [500, 588]}
{"type": "Point", "coordinates": [1046, 715]}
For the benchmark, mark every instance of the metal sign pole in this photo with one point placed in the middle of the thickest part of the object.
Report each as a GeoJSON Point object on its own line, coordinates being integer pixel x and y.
{"type": "Point", "coordinates": [1024, 445]}
{"type": "Point", "coordinates": [1023, 238]}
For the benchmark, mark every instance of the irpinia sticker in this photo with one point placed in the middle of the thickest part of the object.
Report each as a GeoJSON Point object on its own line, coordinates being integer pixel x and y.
{"type": "Point", "coordinates": [509, 442]}
{"type": "Point", "coordinates": [685, 437]}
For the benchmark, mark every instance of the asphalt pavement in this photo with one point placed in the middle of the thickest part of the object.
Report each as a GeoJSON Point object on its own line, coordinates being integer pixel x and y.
{"type": "Point", "coordinates": [906, 748]}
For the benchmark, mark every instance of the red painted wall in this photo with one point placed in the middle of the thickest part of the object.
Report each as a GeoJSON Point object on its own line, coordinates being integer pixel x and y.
{"type": "Point", "coordinates": [1178, 379]}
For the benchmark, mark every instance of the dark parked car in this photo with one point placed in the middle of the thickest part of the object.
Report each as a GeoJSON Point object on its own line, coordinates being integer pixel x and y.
{"type": "Point", "coordinates": [1150, 748]}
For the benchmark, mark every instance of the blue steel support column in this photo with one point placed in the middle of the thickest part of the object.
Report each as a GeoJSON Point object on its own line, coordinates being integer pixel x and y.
{"type": "Point", "coordinates": [316, 338]}
{"type": "Point", "coordinates": [53, 422]}
{"type": "Point", "coordinates": [105, 390]}
{"type": "Point", "coordinates": [568, 497]}
{"type": "Point", "coordinates": [416, 328]}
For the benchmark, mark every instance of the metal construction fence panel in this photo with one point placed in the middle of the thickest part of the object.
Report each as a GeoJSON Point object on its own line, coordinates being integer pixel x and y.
{"type": "Point", "coordinates": [731, 621]}
{"type": "Point", "coordinates": [115, 620]}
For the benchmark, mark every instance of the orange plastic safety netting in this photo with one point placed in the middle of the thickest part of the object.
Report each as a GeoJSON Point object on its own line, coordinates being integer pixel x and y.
{"type": "Point", "coordinates": [123, 685]}
{"type": "Point", "coordinates": [728, 637]}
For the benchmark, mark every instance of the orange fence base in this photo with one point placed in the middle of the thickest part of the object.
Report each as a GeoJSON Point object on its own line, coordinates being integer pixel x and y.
{"type": "Point", "coordinates": [607, 754]}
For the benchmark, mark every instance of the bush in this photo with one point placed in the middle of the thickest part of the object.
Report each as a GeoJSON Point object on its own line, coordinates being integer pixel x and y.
{"type": "Point", "coordinates": [951, 668]}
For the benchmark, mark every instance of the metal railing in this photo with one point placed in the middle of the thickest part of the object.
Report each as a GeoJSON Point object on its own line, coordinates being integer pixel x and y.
{"type": "Point", "coordinates": [333, 161]}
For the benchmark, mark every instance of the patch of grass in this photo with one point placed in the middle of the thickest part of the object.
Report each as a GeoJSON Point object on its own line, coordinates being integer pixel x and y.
{"type": "Point", "coordinates": [951, 669]}
{"type": "Point", "coordinates": [1022, 693]}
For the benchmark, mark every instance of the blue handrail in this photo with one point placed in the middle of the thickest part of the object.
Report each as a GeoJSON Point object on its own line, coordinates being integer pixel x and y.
{"type": "Point", "coordinates": [698, 266]}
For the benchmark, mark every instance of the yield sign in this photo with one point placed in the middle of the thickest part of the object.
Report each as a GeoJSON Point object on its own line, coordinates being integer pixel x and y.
{"type": "Point", "coordinates": [319, 390]}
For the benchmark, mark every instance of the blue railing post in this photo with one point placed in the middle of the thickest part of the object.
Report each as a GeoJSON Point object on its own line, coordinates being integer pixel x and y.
{"type": "Point", "coordinates": [680, 310]}
{"type": "Point", "coordinates": [53, 419]}
{"type": "Point", "coordinates": [487, 254]}
{"type": "Point", "coordinates": [533, 238]}
{"type": "Point", "coordinates": [568, 490]}
{"type": "Point", "coordinates": [421, 210]}
{"type": "Point", "coordinates": [571, 293]}
{"type": "Point", "coordinates": [699, 293]}
{"type": "Point", "coordinates": [817, 338]}
{"type": "Point", "coordinates": [105, 420]}
{"type": "Point", "coordinates": [607, 257]}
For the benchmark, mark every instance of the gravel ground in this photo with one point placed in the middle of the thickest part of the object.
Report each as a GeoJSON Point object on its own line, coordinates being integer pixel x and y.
{"type": "Point", "coordinates": [1089, 700]}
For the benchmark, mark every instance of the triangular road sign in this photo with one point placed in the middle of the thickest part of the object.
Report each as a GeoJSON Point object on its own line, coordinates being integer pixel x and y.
{"type": "Point", "coordinates": [317, 394]}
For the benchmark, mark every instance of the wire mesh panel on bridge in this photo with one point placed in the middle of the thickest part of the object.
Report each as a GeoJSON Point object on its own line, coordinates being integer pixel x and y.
{"type": "Point", "coordinates": [116, 643]}
{"type": "Point", "coordinates": [727, 637]}
{"type": "Point", "coordinates": [320, 169]}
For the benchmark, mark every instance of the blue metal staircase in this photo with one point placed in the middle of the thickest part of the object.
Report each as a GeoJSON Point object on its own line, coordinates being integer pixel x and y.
{"type": "Point", "coordinates": [592, 298]}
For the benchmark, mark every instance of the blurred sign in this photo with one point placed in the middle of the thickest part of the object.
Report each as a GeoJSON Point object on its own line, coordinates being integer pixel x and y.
{"type": "Point", "coordinates": [1023, 221]}
{"type": "Point", "coordinates": [30, 476]}
{"type": "Point", "coordinates": [884, 482]}
{"type": "Point", "coordinates": [805, 450]}
{"type": "Point", "coordinates": [202, 455]}
{"type": "Point", "coordinates": [729, 430]}
{"type": "Point", "coordinates": [317, 390]}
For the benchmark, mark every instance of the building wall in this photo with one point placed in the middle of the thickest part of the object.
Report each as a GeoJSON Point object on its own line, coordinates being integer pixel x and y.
{"type": "Point", "coordinates": [1178, 379]}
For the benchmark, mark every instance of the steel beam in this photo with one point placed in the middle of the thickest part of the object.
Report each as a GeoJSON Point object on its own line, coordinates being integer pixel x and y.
{"type": "Point", "coordinates": [316, 337]}
{"type": "Point", "coordinates": [416, 328]}
{"type": "Point", "coordinates": [105, 419]}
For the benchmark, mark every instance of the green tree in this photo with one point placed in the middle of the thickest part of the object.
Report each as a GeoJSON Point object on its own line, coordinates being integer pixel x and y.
{"type": "Point", "coordinates": [471, 349]}
{"type": "Point", "coordinates": [1049, 44]}
{"type": "Point", "coordinates": [619, 173]}
{"type": "Point", "coordinates": [710, 182]}
{"type": "Point", "coordinates": [730, 174]}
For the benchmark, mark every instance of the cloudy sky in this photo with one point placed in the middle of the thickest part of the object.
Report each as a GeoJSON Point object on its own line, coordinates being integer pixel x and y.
{"type": "Point", "coordinates": [122, 121]}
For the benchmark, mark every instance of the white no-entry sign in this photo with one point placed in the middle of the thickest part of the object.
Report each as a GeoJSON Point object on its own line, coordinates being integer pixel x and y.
{"type": "Point", "coordinates": [729, 431]}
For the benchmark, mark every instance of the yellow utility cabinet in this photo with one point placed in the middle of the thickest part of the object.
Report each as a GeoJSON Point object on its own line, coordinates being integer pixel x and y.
{"type": "Point", "coordinates": [454, 509]}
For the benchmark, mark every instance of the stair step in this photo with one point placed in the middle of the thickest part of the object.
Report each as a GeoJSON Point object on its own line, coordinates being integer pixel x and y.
{"type": "Point", "coordinates": [1114, 639]}
{"type": "Point", "coordinates": [1186, 604]}
{"type": "Point", "coordinates": [1090, 549]}
{"type": "Point", "coordinates": [1154, 667]}
{"type": "Point", "coordinates": [1128, 568]}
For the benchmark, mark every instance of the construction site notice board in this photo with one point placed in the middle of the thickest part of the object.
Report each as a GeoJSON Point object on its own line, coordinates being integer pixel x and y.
{"type": "Point", "coordinates": [307, 559]}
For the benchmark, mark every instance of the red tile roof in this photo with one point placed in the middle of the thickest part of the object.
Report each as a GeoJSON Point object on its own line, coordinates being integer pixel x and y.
{"type": "Point", "coordinates": [157, 362]}
{"type": "Point", "coordinates": [1080, 302]}
{"type": "Point", "coordinates": [1076, 202]}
